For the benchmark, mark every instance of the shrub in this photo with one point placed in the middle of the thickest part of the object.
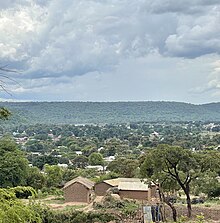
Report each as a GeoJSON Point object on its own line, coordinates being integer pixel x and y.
{"type": "Point", "coordinates": [50, 216]}
{"type": "Point", "coordinates": [13, 210]}
{"type": "Point", "coordinates": [23, 192]}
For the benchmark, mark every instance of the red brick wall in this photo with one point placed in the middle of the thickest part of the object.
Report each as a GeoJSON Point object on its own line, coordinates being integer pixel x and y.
{"type": "Point", "coordinates": [138, 195]}
{"type": "Point", "coordinates": [77, 193]}
{"type": "Point", "coordinates": [101, 188]}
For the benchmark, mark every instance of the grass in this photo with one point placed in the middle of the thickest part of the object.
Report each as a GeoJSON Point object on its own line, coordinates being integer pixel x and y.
{"type": "Point", "coordinates": [54, 201]}
{"type": "Point", "coordinates": [74, 207]}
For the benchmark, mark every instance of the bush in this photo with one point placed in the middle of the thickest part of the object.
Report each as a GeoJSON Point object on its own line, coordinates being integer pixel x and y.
{"type": "Point", "coordinates": [197, 201]}
{"type": "Point", "coordinates": [51, 191]}
{"type": "Point", "coordinates": [50, 216]}
{"type": "Point", "coordinates": [13, 210]}
{"type": "Point", "coordinates": [23, 192]}
{"type": "Point", "coordinates": [215, 192]}
{"type": "Point", "coordinates": [126, 207]}
{"type": "Point", "coordinates": [6, 195]}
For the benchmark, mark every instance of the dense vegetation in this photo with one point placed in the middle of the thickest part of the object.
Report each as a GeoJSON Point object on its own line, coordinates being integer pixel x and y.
{"type": "Point", "coordinates": [36, 160]}
{"type": "Point", "coordinates": [108, 112]}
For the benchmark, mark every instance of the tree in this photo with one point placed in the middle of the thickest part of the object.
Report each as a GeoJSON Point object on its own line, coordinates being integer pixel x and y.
{"type": "Point", "coordinates": [123, 166]}
{"type": "Point", "coordinates": [54, 175]}
{"type": "Point", "coordinates": [35, 178]}
{"type": "Point", "coordinates": [181, 165]}
{"type": "Point", "coordinates": [14, 210]}
{"type": "Point", "coordinates": [13, 165]}
{"type": "Point", "coordinates": [5, 113]}
{"type": "Point", "coordinates": [96, 159]}
{"type": "Point", "coordinates": [40, 161]}
{"type": "Point", "coordinates": [80, 161]}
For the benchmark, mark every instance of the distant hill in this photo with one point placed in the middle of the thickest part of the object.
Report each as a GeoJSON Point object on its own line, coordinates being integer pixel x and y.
{"type": "Point", "coordinates": [108, 112]}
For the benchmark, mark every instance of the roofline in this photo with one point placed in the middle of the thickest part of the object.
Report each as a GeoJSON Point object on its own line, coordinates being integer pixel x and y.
{"type": "Point", "coordinates": [132, 190]}
{"type": "Point", "coordinates": [79, 183]}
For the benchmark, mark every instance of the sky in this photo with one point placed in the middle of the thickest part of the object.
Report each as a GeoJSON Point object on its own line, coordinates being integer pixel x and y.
{"type": "Point", "coordinates": [110, 50]}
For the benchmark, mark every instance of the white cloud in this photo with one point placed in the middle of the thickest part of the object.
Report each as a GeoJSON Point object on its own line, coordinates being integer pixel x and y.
{"type": "Point", "coordinates": [53, 42]}
{"type": "Point", "coordinates": [214, 78]}
{"type": "Point", "coordinates": [196, 35]}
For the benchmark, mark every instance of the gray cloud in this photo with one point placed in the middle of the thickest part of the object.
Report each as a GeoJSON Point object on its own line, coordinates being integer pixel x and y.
{"type": "Point", "coordinates": [77, 37]}
{"type": "Point", "coordinates": [55, 41]}
{"type": "Point", "coordinates": [183, 7]}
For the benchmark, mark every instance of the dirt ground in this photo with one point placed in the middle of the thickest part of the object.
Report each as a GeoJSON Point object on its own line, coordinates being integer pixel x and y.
{"type": "Point", "coordinates": [57, 203]}
{"type": "Point", "coordinates": [211, 214]}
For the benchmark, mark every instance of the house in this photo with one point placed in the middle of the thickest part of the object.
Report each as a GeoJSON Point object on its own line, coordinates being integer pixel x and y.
{"type": "Point", "coordinates": [78, 190]}
{"type": "Point", "coordinates": [102, 187]}
{"type": "Point", "coordinates": [78, 153]}
{"type": "Point", "coordinates": [133, 188]}
{"type": "Point", "coordinates": [96, 167]}
{"type": "Point", "coordinates": [109, 158]}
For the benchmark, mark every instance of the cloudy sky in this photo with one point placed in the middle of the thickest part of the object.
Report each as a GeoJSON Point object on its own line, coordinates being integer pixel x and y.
{"type": "Point", "coordinates": [111, 50]}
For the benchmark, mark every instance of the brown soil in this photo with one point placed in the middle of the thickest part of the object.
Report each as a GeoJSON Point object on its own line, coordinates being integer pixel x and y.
{"type": "Point", "coordinates": [210, 213]}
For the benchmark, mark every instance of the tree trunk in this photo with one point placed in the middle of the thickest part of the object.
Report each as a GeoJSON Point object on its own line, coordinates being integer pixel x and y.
{"type": "Point", "coordinates": [166, 200]}
{"type": "Point", "coordinates": [186, 190]}
{"type": "Point", "coordinates": [189, 207]}
{"type": "Point", "coordinates": [173, 210]}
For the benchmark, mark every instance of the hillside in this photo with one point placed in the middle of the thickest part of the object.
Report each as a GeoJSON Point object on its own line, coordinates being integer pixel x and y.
{"type": "Point", "coordinates": [108, 112]}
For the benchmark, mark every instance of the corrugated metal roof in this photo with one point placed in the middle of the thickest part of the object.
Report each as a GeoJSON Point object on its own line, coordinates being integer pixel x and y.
{"type": "Point", "coordinates": [133, 186]}
{"type": "Point", "coordinates": [84, 181]}
{"type": "Point", "coordinates": [117, 181]}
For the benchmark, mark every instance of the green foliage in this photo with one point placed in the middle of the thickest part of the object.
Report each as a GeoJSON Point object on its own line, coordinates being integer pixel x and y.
{"type": "Point", "coordinates": [110, 112]}
{"type": "Point", "coordinates": [69, 216]}
{"type": "Point", "coordinates": [4, 113]}
{"type": "Point", "coordinates": [13, 165]}
{"type": "Point", "coordinates": [23, 192]}
{"type": "Point", "coordinates": [96, 159]}
{"type": "Point", "coordinates": [80, 161]}
{"type": "Point", "coordinates": [54, 175]}
{"type": "Point", "coordinates": [126, 207]}
{"type": "Point", "coordinates": [45, 191]}
{"type": "Point", "coordinates": [130, 209]}
{"type": "Point", "coordinates": [69, 174]}
{"type": "Point", "coordinates": [180, 165]}
{"type": "Point", "coordinates": [200, 218]}
{"type": "Point", "coordinates": [40, 161]}
{"type": "Point", "coordinates": [14, 211]}
{"type": "Point", "coordinates": [107, 176]}
{"type": "Point", "coordinates": [5, 194]}
{"type": "Point", "coordinates": [208, 184]}
{"type": "Point", "coordinates": [182, 219]}
{"type": "Point", "coordinates": [35, 178]}
{"type": "Point", "coordinates": [123, 166]}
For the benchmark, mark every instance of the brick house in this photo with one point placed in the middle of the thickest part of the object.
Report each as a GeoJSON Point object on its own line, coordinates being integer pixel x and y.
{"type": "Point", "coordinates": [132, 188]}
{"type": "Point", "coordinates": [78, 190]}
{"type": "Point", "coordinates": [102, 187]}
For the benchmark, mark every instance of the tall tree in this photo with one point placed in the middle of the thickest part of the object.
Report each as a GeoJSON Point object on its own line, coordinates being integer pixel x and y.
{"type": "Point", "coordinates": [183, 166]}
{"type": "Point", "coordinates": [124, 167]}
{"type": "Point", "coordinates": [13, 164]}
{"type": "Point", "coordinates": [96, 159]}
{"type": "Point", "coordinates": [54, 175]}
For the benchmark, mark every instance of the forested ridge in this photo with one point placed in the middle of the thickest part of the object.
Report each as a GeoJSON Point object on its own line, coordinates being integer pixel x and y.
{"type": "Point", "coordinates": [108, 112]}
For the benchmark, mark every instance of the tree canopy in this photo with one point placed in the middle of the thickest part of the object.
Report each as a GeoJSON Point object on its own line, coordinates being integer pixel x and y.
{"type": "Point", "coordinates": [182, 166]}
{"type": "Point", "coordinates": [13, 164]}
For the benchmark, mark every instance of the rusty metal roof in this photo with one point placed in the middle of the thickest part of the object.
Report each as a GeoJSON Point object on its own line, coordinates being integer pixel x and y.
{"type": "Point", "coordinates": [84, 181]}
